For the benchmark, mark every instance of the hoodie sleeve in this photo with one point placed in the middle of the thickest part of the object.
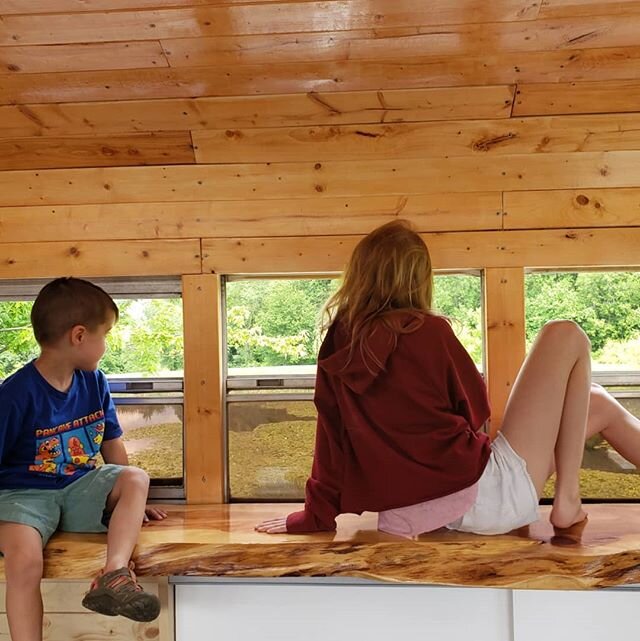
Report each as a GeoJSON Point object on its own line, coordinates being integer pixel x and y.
{"type": "Point", "coordinates": [323, 489]}
{"type": "Point", "coordinates": [467, 389]}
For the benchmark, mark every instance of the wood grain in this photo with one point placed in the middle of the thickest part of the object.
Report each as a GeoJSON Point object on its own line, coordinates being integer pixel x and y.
{"type": "Point", "coordinates": [449, 103]}
{"type": "Point", "coordinates": [257, 181]}
{"type": "Point", "coordinates": [328, 216]}
{"type": "Point", "coordinates": [616, 247]}
{"type": "Point", "coordinates": [613, 63]}
{"type": "Point", "coordinates": [220, 541]}
{"type": "Point", "coordinates": [420, 140]}
{"type": "Point", "coordinates": [154, 148]}
{"type": "Point", "coordinates": [270, 17]}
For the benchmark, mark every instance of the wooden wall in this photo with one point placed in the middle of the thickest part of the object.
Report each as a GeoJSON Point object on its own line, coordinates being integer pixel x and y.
{"type": "Point", "coordinates": [208, 137]}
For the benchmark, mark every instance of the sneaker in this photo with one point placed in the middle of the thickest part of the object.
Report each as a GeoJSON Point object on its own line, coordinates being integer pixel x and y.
{"type": "Point", "coordinates": [118, 593]}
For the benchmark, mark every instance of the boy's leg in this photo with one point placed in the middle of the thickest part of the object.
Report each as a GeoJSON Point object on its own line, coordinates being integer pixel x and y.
{"type": "Point", "coordinates": [120, 492]}
{"type": "Point", "coordinates": [546, 414]}
{"type": "Point", "coordinates": [126, 504]}
{"type": "Point", "coordinates": [22, 549]}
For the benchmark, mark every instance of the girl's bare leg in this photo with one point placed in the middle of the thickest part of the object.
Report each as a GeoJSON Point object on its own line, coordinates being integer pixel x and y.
{"type": "Point", "coordinates": [618, 427]}
{"type": "Point", "coordinates": [546, 415]}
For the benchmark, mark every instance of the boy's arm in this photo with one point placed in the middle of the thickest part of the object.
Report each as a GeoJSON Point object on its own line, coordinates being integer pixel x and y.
{"type": "Point", "coordinates": [114, 451]}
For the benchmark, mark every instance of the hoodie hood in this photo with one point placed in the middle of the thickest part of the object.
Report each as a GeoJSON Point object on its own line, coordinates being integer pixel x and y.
{"type": "Point", "coordinates": [356, 370]}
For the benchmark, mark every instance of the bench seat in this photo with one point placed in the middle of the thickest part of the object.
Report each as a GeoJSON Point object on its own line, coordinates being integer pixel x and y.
{"type": "Point", "coordinates": [219, 541]}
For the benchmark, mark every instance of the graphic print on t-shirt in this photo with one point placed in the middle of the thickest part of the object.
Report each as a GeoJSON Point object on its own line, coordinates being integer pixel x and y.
{"type": "Point", "coordinates": [66, 448]}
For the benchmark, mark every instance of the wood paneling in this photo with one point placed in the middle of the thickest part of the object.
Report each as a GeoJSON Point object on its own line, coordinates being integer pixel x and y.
{"type": "Point", "coordinates": [419, 140]}
{"type": "Point", "coordinates": [547, 248]}
{"type": "Point", "coordinates": [326, 179]}
{"type": "Point", "coordinates": [99, 258]}
{"type": "Point", "coordinates": [161, 148]}
{"type": "Point", "coordinates": [575, 8]}
{"type": "Point", "coordinates": [577, 98]}
{"type": "Point", "coordinates": [437, 71]}
{"type": "Point", "coordinates": [572, 208]}
{"type": "Point", "coordinates": [62, 627]}
{"type": "Point", "coordinates": [504, 335]}
{"type": "Point", "coordinates": [203, 395]}
{"type": "Point", "coordinates": [111, 55]}
{"type": "Point", "coordinates": [15, 7]}
{"type": "Point", "coordinates": [266, 18]}
{"type": "Point", "coordinates": [449, 103]}
{"type": "Point", "coordinates": [328, 216]}
{"type": "Point", "coordinates": [405, 43]}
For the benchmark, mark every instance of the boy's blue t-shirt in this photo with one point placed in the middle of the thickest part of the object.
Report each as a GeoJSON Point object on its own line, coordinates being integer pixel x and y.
{"type": "Point", "coordinates": [48, 438]}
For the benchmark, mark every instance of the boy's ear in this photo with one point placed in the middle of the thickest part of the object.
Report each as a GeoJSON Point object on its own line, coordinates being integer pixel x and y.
{"type": "Point", "coordinates": [77, 334]}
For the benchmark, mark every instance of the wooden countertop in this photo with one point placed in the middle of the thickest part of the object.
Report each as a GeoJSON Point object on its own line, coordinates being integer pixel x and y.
{"type": "Point", "coordinates": [219, 540]}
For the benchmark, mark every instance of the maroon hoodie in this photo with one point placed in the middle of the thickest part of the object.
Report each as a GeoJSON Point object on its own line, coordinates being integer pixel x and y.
{"type": "Point", "coordinates": [395, 433]}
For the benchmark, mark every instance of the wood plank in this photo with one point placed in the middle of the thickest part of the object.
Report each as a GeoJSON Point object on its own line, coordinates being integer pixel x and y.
{"type": "Point", "coordinates": [329, 216]}
{"type": "Point", "coordinates": [604, 96]}
{"type": "Point", "coordinates": [504, 335]}
{"type": "Point", "coordinates": [572, 208]}
{"type": "Point", "coordinates": [419, 140]}
{"type": "Point", "coordinates": [266, 18]}
{"type": "Point", "coordinates": [614, 63]}
{"type": "Point", "coordinates": [203, 394]}
{"type": "Point", "coordinates": [400, 105]}
{"type": "Point", "coordinates": [457, 250]}
{"type": "Point", "coordinates": [99, 258]}
{"type": "Point", "coordinates": [82, 57]}
{"type": "Point", "coordinates": [161, 148]}
{"type": "Point", "coordinates": [406, 43]}
{"type": "Point", "coordinates": [28, 7]}
{"type": "Point", "coordinates": [576, 8]}
{"type": "Point", "coordinates": [62, 627]}
{"type": "Point", "coordinates": [190, 183]}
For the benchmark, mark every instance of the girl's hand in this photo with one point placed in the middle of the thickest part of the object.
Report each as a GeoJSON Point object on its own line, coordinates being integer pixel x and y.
{"type": "Point", "coordinates": [273, 526]}
{"type": "Point", "coordinates": [152, 513]}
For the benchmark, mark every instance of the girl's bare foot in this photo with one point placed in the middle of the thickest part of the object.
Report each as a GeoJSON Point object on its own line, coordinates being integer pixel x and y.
{"type": "Point", "coordinates": [566, 512]}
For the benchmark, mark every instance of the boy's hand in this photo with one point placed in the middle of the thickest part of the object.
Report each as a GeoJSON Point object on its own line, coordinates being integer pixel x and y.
{"type": "Point", "coordinates": [152, 513]}
{"type": "Point", "coordinates": [273, 526]}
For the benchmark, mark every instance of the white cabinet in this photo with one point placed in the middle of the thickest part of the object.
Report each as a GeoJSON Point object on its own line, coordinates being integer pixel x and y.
{"type": "Point", "coordinates": [588, 616]}
{"type": "Point", "coordinates": [279, 611]}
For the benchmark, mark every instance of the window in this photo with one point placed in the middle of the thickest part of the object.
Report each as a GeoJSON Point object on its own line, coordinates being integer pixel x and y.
{"type": "Point", "coordinates": [607, 307]}
{"type": "Point", "coordinates": [143, 364]}
{"type": "Point", "coordinates": [272, 338]}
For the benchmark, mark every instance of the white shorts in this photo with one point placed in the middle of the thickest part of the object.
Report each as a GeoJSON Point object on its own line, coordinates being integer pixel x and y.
{"type": "Point", "coordinates": [506, 498]}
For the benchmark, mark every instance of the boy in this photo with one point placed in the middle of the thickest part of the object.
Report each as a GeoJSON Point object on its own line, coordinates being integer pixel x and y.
{"type": "Point", "coordinates": [56, 414]}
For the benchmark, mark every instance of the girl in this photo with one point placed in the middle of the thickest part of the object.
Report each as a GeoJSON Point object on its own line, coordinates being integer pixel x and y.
{"type": "Point", "coordinates": [400, 406]}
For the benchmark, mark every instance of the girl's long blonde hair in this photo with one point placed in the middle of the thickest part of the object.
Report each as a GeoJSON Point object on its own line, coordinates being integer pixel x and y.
{"type": "Point", "coordinates": [388, 272]}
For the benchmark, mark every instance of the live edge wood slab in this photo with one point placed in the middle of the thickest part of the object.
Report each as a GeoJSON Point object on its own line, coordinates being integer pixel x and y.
{"type": "Point", "coordinates": [219, 540]}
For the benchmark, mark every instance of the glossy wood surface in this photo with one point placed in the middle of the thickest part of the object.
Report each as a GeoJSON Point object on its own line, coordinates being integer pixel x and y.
{"type": "Point", "coordinates": [220, 540]}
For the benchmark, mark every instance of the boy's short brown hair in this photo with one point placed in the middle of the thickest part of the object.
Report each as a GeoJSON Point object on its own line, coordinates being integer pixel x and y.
{"type": "Point", "coordinates": [66, 302]}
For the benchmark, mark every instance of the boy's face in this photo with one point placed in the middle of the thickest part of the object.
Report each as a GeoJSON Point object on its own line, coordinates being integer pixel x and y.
{"type": "Point", "coordinates": [91, 345]}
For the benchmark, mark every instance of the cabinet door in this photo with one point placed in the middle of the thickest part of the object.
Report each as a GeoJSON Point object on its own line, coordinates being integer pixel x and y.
{"type": "Point", "coordinates": [587, 616]}
{"type": "Point", "coordinates": [317, 612]}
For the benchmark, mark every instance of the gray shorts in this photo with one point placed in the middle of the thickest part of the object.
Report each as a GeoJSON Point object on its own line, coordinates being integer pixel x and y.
{"type": "Point", "coordinates": [79, 507]}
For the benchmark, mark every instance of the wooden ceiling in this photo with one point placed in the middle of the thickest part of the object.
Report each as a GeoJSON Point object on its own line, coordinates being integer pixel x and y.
{"type": "Point", "coordinates": [273, 118]}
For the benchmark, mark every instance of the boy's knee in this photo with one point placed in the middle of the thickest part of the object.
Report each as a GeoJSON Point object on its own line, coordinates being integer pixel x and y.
{"type": "Point", "coordinates": [568, 332]}
{"type": "Point", "coordinates": [134, 478]}
{"type": "Point", "coordinates": [23, 562]}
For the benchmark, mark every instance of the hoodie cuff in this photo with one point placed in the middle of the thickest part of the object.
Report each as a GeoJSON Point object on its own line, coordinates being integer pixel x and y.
{"type": "Point", "coordinates": [304, 521]}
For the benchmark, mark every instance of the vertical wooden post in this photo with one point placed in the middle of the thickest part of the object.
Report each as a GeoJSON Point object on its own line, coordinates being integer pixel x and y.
{"type": "Point", "coordinates": [203, 394]}
{"type": "Point", "coordinates": [505, 335]}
